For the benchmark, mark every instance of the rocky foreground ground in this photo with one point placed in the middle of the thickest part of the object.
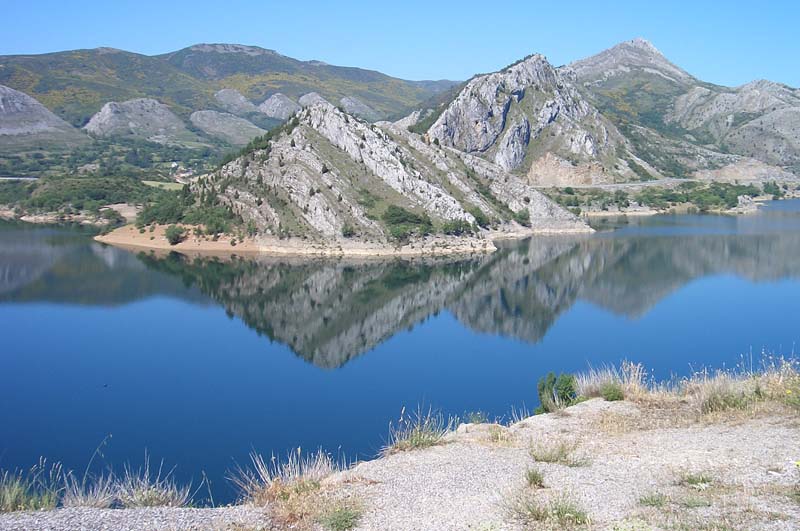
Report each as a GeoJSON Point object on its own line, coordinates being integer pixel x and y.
{"type": "Point", "coordinates": [597, 465]}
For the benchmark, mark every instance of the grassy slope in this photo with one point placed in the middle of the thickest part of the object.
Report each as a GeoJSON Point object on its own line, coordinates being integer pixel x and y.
{"type": "Point", "coordinates": [75, 84]}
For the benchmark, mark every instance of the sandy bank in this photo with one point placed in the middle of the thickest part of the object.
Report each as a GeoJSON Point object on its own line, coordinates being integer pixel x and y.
{"type": "Point", "coordinates": [129, 237]}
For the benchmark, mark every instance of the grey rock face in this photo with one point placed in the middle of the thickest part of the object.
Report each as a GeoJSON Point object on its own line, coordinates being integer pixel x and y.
{"type": "Point", "coordinates": [279, 106]}
{"type": "Point", "coordinates": [513, 145]}
{"type": "Point", "coordinates": [760, 119]}
{"type": "Point", "coordinates": [145, 118]}
{"type": "Point", "coordinates": [499, 115]}
{"type": "Point", "coordinates": [227, 127]}
{"type": "Point", "coordinates": [312, 98]}
{"type": "Point", "coordinates": [358, 108]}
{"type": "Point", "coordinates": [330, 169]}
{"type": "Point", "coordinates": [24, 118]}
{"type": "Point", "coordinates": [234, 102]}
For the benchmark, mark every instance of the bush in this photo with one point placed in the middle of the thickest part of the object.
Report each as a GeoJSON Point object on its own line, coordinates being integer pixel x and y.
{"type": "Point", "coordinates": [612, 391]}
{"type": "Point", "coordinates": [348, 231]}
{"type": "Point", "coordinates": [556, 392]}
{"type": "Point", "coordinates": [523, 217]}
{"type": "Point", "coordinates": [480, 218]}
{"type": "Point", "coordinates": [457, 227]}
{"type": "Point", "coordinates": [403, 223]}
{"type": "Point", "coordinates": [174, 234]}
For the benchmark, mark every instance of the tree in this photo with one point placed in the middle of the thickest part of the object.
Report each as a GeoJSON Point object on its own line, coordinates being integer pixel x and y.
{"type": "Point", "coordinates": [174, 234]}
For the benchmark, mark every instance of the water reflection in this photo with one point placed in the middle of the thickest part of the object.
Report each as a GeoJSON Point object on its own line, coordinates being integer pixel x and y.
{"type": "Point", "coordinates": [329, 312]}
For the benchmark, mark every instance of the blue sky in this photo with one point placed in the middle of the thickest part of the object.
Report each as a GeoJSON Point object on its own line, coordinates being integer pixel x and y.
{"type": "Point", "coordinates": [728, 42]}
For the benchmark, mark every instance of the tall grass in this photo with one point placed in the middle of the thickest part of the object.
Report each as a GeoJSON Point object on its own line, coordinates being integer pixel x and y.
{"type": "Point", "coordinates": [46, 486]}
{"type": "Point", "coordinates": [31, 490]}
{"type": "Point", "coordinates": [143, 487]}
{"type": "Point", "coordinates": [738, 388]}
{"type": "Point", "coordinates": [420, 429]}
{"type": "Point", "coordinates": [267, 480]}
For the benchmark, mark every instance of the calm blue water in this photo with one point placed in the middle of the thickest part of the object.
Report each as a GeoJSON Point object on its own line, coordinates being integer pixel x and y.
{"type": "Point", "coordinates": [202, 362]}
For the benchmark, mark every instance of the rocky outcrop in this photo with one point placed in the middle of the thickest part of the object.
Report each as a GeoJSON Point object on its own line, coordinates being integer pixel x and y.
{"type": "Point", "coordinates": [226, 127]}
{"type": "Point", "coordinates": [279, 106]}
{"type": "Point", "coordinates": [524, 112]}
{"type": "Point", "coordinates": [234, 102]}
{"type": "Point", "coordinates": [358, 108]}
{"type": "Point", "coordinates": [312, 98]}
{"type": "Point", "coordinates": [25, 120]}
{"type": "Point", "coordinates": [144, 118]}
{"type": "Point", "coordinates": [329, 171]}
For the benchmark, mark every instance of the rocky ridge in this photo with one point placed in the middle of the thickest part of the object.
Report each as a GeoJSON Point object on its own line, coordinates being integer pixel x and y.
{"type": "Point", "coordinates": [702, 126]}
{"type": "Point", "coordinates": [329, 173]}
{"type": "Point", "coordinates": [227, 127]}
{"type": "Point", "coordinates": [143, 117]}
{"type": "Point", "coordinates": [25, 120]}
{"type": "Point", "coordinates": [279, 106]}
{"type": "Point", "coordinates": [519, 115]}
{"type": "Point", "coordinates": [234, 102]}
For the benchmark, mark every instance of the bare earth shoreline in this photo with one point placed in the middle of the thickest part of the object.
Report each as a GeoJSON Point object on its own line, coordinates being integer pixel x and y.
{"type": "Point", "coordinates": [625, 453]}
{"type": "Point", "coordinates": [129, 237]}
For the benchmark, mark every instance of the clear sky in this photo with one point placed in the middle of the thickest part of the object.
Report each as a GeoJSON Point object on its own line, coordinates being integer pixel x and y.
{"type": "Point", "coordinates": [727, 42]}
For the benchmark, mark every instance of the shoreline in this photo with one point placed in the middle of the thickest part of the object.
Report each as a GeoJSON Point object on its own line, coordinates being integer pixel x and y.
{"type": "Point", "coordinates": [130, 238]}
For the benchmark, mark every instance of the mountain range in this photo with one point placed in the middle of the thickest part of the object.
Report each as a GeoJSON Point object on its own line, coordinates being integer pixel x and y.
{"type": "Point", "coordinates": [469, 155]}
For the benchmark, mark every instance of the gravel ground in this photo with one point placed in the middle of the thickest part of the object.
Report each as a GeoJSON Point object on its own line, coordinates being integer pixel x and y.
{"type": "Point", "coordinates": [621, 452]}
{"type": "Point", "coordinates": [157, 519]}
{"type": "Point", "coordinates": [466, 484]}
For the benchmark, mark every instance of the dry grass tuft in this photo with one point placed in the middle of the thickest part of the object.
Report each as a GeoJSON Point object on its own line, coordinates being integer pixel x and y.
{"type": "Point", "coordinates": [418, 430]}
{"type": "Point", "coordinates": [534, 478]}
{"type": "Point", "coordinates": [99, 492]}
{"type": "Point", "coordinates": [611, 383]}
{"type": "Point", "coordinates": [529, 509]}
{"type": "Point", "coordinates": [143, 488]}
{"type": "Point", "coordinates": [557, 452]}
{"type": "Point", "coordinates": [270, 480]}
{"type": "Point", "coordinates": [708, 392]}
{"type": "Point", "coordinates": [341, 515]}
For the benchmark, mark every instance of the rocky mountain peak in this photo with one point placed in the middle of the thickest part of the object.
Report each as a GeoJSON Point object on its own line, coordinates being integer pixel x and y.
{"type": "Point", "coordinates": [521, 113]}
{"type": "Point", "coordinates": [630, 56]}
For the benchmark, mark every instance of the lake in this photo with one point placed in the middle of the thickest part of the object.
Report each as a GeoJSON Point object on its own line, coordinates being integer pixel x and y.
{"type": "Point", "coordinates": [200, 362]}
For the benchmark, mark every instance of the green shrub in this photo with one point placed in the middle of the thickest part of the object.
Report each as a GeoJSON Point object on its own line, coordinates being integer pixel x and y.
{"type": "Point", "coordinates": [403, 223]}
{"type": "Point", "coordinates": [348, 231]}
{"type": "Point", "coordinates": [556, 392]}
{"type": "Point", "coordinates": [457, 227]}
{"type": "Point", "coordinates": [523, 217]}
{"type": "Point", "coordinates": [612, 391]}
{"type": "Point", "coordinates": [480, 218]}
{"type": "Point", "coordinates": [341, 518]}
{"type": "Point", "coordinates": [174, 234]}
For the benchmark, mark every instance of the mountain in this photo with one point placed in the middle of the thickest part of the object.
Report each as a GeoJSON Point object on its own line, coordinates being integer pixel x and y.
{"type": "Point", "coordinates": [24, 122]}
{"type": "Point", "coordinates": [332, 177]}
{"type": "Point", "coordinates": [530, 119]}
{"type": "Point", "coordinates": [76, 84]}
{"type": "Point", "coordinates": [700, 125]}
{"type": "Point", "coordinates": [143, 118]}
